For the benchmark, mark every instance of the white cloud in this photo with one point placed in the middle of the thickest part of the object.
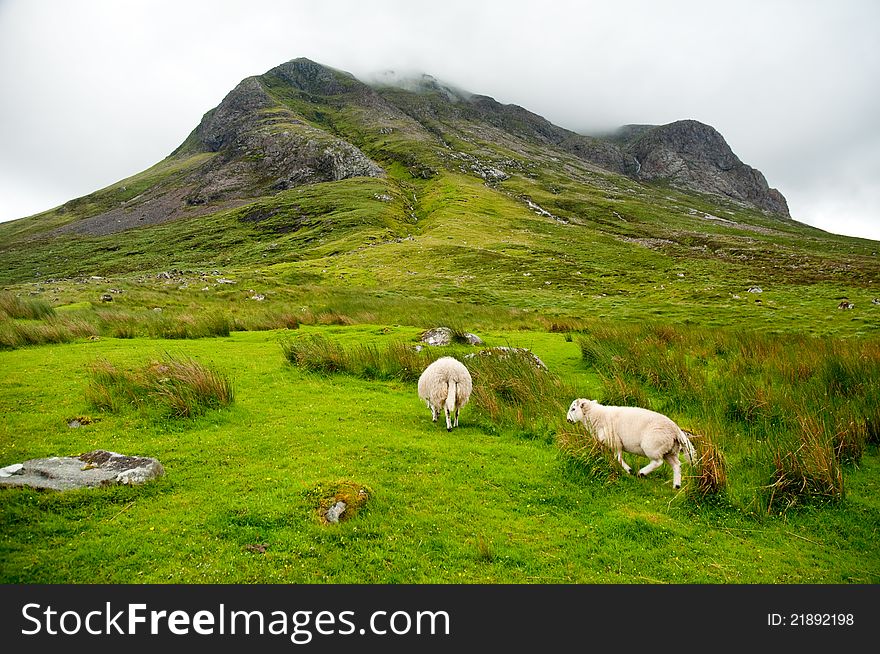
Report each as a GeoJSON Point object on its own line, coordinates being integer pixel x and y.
{"type": "Point", "coordinates": [96, 90]}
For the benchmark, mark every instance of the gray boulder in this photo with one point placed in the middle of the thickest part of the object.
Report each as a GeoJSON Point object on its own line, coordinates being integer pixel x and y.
{"type": "Point", "coordinates": [93, 469]}
{"type": "Point", "coordinates": [503, 352]}
{"type": "Point", "coordinates": [445, 336]}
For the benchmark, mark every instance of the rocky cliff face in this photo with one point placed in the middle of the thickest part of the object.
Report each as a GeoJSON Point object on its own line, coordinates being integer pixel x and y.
{"type": "Point", "coordinates": [263, 147]}
{"type": "Point", "coordinates": [693, 155]}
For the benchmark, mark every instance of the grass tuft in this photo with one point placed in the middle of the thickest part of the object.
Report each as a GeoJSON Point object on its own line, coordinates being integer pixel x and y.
{"type": "Point", "coordinates": [24, 308]}
{"type": "Point", "coordinates": [178, 387]}
{"type": "Point", "coordinates": [710, 468]}
{"type": "Point", "coordinates": [582, 453]}
{"type": "Point", "coordinates": [811, 472]}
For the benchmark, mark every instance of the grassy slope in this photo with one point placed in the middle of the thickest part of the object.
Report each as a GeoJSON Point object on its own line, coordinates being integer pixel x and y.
{"type": "Point", "coordinates": [468, 506]}
{"type": "Point", "coordinates": [463, 241]}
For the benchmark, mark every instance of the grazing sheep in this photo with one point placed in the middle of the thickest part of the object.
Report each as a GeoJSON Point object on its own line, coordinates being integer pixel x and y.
{"type": "Point", "coordinates": [445, 384]}
{"type": "Point", "coordinates": [637, 431]}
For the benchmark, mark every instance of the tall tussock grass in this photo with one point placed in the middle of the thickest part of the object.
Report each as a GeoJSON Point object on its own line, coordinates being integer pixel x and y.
{"type": "Point", "coordinates": [582, 454]}
{"type": "Point", "coordinates": [710, 469]}
{"type": "Point", "coordinates": [51, 329]}
{"type": "Point", "coordinates": [13, 306]}
{"type": "Point", "coordinates": [177, 387]}
{"type": "Point", "coordinates": [188, 326]}
{"type": "Point", "coordinates": [396, 361]}
{"type": "Point", "coordinates": [511, 389]}
{"type": "Point", "coordinates": [801, 407]}
{"type": "Point", "coordinates": [811, 471]}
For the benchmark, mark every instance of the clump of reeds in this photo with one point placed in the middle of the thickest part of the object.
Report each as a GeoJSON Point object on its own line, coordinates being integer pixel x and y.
{"type": "Point", "coordinates": [26, 308]}
{"type": "Point", "coordinates": [188, 326]}
{"type": "Point", "coordinates": [582, 453]}
{"type": "Point", "coordinates": [710, 468]}
{"type": "Point", "coordinates": [179, 387]}
{"type": "Point", "coordinates": [316, 353]}
{"type": "Point", "coordinates": [15, 333]}
{"type": "Point", "coordinates": [811, 472]}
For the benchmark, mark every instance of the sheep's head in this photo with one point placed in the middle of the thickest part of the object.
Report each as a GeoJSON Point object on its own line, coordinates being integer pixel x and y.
{"type": "Point", "coordinates": [578, 410]}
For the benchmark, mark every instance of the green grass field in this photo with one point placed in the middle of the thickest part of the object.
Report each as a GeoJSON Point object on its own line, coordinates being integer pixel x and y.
{"type": "Point", "coordinates": [479, 504]}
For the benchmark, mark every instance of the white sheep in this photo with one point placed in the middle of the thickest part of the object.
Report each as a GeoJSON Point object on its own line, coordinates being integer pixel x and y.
{"type": "Point", "coordinates": [637, 431]}
{"type": "Point", "coordinates": [445, 384]}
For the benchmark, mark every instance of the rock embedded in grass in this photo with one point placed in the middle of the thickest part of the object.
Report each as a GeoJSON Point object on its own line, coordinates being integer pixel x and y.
{"type": "Point", "coordinates": [504, 351]}
{"type": "Point", "coordinates": [335, 512]}
{"type": "Point", "coordinates": [339, 501]}
{"type": "Point", "coordinates": [90, 470]}
{"type": "Point", "coordinates": [446, 336]}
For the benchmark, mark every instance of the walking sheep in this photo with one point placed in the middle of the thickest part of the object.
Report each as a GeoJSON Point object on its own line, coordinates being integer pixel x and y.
{"type": "Point", "coordinates": [445, 384]}
{"type": "Point", "coordinates": [637, 431]}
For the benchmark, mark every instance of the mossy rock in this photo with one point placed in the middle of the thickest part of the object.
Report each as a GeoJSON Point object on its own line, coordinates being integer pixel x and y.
{"type": "Point", "coordinates": [326, 499]}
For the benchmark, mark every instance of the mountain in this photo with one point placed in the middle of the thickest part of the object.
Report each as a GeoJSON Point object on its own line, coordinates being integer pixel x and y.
{"type": "Point", "coordinates": [269, 134]}
{"type": "Point", "coordinates": [389, 184]}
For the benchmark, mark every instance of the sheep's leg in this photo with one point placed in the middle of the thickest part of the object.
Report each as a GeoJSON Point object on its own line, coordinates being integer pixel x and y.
{"type": "Point", "coordinates": [623, 463]}
{"type": "Point", "coordinates": [433, 414]}
{"type": "Point", "coordinates": [673, 461]}
{"type": "Point", "coordinates": [651, 467]}
{"type": "Point", "coordinates": [456, 417]}
{"type": "Point", "coordinates": [448, 421]}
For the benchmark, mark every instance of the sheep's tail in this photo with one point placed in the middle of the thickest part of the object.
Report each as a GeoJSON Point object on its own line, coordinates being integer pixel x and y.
{"type": "Point", "coordinates": [450, 396]}
{"type": "Point", "coordinates": [689, 452]}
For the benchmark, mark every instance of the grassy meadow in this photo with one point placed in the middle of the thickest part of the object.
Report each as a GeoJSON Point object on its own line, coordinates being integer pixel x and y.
{"type": "Point", "coordinates": [514, 495]}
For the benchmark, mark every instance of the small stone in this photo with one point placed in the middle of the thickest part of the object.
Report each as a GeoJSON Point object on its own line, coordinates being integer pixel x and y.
{"type": "Point", "coordinates": [755, 289]}
{"type": "Point", "coordinates": [106, 297]}
{"type": "Point", "coordinates": [335, 512]}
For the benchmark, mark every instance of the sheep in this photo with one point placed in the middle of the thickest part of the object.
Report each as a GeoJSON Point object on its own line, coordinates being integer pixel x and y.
{"type": "Point", "coordinates": [637, 431]}
{"type": "Point", "coordinates": [445, 384]}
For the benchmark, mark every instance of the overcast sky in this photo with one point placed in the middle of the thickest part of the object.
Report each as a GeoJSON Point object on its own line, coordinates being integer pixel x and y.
{"type": "Point", "coordinates": [93, 91]}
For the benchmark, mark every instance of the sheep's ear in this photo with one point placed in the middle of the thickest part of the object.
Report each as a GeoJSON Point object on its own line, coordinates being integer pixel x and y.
{"type": "Point", "coordinates": [584, 404]}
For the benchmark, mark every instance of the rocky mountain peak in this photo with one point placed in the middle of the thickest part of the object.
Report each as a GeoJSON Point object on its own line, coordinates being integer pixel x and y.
{"type": "Point", "coordinates": [314, 78]}
{"type": "Point", "coordinates": [694, 155]}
